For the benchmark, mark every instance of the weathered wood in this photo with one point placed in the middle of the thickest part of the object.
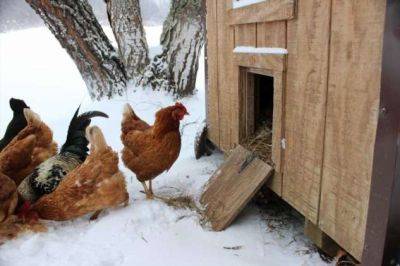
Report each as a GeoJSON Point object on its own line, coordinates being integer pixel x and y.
{"type": "Point", "coordinates": [351, 122]}
{"type": "Point", "coordinates": [245, 35]}
{"type": "Point", "coordinates": [305, 104]}
{"type": "Point", "coordinates": [276, 62]}
{"type": "Point", "coordinates": [232, 186]}
{"type": "Point", "coordinates": [126, 22]}
{"type": "Point", "coordinates": [75, 26]}
{"type": "Point", "coordinates": [225, 48]}
{"type": "Point", "coordinates": [320, 239]}
{"type": "Point", "coordinates": [382, 237]}
{"type": "Point", "coordinates": [212, 63]}
{"type": "Point", "coordinates": [272, 10]}
{"type": "Point", "coordinates": [271, 34]}
{"type": "Point", "coordinates": [278, 131]}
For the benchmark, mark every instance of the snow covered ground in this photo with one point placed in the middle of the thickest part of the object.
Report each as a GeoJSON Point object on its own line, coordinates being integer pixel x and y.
{"type": "Point", "coordinates": [35, 68]}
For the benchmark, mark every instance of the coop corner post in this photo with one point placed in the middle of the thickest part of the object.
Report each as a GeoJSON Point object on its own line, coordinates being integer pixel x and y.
{"type": "Point", "coordinates": [382, 239]}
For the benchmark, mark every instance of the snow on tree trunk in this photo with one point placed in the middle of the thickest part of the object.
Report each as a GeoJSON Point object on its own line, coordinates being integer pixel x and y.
{"type": "Point", "coordinates": [126, 21]}
{"type": "Point", "coordinates": [74, 25]}
{"type": "Point", "coordinates": [175, 69]}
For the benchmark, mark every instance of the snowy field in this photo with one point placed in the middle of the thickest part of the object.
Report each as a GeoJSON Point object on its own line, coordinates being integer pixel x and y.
{"type": "Point", "coordinates": [35, 68]}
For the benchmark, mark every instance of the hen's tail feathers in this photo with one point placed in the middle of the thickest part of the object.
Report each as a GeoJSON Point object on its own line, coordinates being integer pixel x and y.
{"type": "Point", "coordinates": [96, 138]}
{"type": "Point", "coordinates": [31, 117]}
{"type": "Point", "coordinates": [129, 113]}
{"type": "Point", "coordinates": [17, 123]}
{"type": "Point", "coordinates": [76, 142]}
{"type": "Point", "coordinates": [18, 105]}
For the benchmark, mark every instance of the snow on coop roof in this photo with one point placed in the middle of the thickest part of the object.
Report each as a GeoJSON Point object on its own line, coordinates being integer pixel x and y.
{"type": "Point", "coordinates": [243, 3]}
{"type": "Point", "coordinates": [260, 50]}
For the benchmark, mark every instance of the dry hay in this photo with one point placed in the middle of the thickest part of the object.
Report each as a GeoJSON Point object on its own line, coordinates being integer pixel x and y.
{"type": "Point", "coordinates": [13, 226]}
{"type": "Point", "coordinates": [180, 202]}
{"type": "Point", "coordinates": [261, 142]}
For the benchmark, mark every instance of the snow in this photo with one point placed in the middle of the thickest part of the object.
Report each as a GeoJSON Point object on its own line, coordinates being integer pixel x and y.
{"type": "Point", "coordinates": [259, 50]}
{"type": "Point", "coordinates": [34, 67]}
{"type": "Point", "coordinates": [244, 3]}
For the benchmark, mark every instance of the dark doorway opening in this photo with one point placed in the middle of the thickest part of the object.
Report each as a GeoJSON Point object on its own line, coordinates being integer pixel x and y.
{"type": "Point", "coordinates": [257, 89]}
{"type": "Point", "coordinates": [263, 101]}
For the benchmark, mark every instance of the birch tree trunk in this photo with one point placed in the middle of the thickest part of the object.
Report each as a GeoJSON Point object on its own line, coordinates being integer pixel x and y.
{"type": "Point", "coordinates": [175, 69]}
{"type": "Point", "coordinates": [126, 21]}
{"type": "Point", "coordinates": [74, 25]}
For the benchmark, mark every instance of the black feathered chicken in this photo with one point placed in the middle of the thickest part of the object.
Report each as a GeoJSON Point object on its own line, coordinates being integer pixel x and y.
{"type": "Point", "coordinates": [46, 177]}
{"type": "Point", "coordinates": [17, 123]}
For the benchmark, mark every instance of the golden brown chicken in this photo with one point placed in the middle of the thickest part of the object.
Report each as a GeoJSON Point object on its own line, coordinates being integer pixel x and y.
{"type": "Point", "coordinates": [151, 150]}
{"type": "Point", "coordinates": [8, 197]}
{"type": "Point", "coordinates": [95, 185]}
{"type": "Point", "coordinates": [12, 225]}
{"type": "Point", "coordinates": [33, 145]}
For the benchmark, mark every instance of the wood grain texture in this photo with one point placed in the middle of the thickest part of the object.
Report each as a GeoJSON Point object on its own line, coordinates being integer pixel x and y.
{"type": "Point", "coordinates": [271, 34]}
{"type": "Point", "coordinates": [275, 62]}
{"type": "Point", "coordinates": [272, 10]}
{"type": "Point", "coordinates": [225, 48]}
{"type": "Point", "coordinates": [232, 186]}
{"type": "Point", "coordinates": [305, 99]}
{"type": "Point", "coordinates": [352, 115]}
{"type": "Point", "coordinates": [212, 73]}
{"type": "Point", "coordinates": [276, 182]}
{"type": "Point", "coordinates": [245, 35]}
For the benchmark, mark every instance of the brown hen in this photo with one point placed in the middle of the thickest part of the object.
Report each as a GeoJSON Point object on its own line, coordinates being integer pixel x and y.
{"type": "Point", "coordinates": [33, 145]}
{"type": "Point", "coordinates": [91, 187]}
{"type": "Point", "coordinates": [151, 150]}
{"type": "Point", "coordinates": [8, 197]}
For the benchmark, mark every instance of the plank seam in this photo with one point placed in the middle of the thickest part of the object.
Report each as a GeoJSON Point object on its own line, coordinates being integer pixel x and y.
{"type": "Point", "coordinates": [326, 111]}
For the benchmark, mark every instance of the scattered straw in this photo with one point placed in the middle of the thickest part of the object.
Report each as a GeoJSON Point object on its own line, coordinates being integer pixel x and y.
{"type": "Point", "coordinates": [261, 142]}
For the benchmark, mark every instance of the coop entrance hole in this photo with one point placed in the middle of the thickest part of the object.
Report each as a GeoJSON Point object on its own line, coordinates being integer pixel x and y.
{"type": "Point", "coordinates": [263, 101]}
{"type": "Point", "coordinates": [257, 88]}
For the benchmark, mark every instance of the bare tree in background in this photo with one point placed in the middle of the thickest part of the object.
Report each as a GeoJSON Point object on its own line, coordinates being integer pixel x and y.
{"type": "Point", "coordinates": [175, 69]}
{"type": "Point", "coordinates": [105, 73]}
{"type": "Point", "coordinates": [74, 25]}
{"type": "Point", "coordinates": [126, 21]}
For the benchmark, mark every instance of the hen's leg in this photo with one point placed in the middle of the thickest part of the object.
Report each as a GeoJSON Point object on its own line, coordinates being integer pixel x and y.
{"type": "Point", "coordinates": [146, 190]}
{"type": "Point", "coordinates": [151, 188]}
{"type": "Point", "coordinates": [95, 215]}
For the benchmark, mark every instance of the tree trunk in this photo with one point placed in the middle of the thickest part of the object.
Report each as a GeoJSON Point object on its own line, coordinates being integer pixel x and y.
{"type": "Point", "coordinates": [76, 28]}
{"type": "Point", "coordinates": [126, 21]}
{"type": "Point", "coordinates": [175, 69]}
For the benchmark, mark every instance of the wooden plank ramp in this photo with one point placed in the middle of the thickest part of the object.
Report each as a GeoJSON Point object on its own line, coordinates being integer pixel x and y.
{"type": "Point", "coordinates": [232, 186]}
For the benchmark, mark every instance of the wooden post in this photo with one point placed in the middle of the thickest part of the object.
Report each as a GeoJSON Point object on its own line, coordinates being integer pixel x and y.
{"type": "Point", "coordinates": [320, 239]}
{"type": "Point", "coordinates": [383, 224]}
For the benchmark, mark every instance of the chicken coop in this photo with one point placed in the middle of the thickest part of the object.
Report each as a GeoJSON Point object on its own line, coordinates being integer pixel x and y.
{"type": "Point", "coordinates": [310, 86]}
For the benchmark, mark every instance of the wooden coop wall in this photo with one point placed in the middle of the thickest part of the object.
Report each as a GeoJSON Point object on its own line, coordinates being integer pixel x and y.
{"type": "Point", "coordinates": [328, 100]}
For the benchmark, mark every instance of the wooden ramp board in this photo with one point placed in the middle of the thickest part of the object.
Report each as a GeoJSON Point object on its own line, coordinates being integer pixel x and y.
{"type": "Point", "coordinates": [232, 186]}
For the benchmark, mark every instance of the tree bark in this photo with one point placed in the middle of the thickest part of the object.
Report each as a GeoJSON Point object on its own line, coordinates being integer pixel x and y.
{"type": "Point", "coordinates": [74, 25]}
{"type": "Point", "coordinates": [175, 69]}
{"type": "Point", "coordinates": [126, 21]}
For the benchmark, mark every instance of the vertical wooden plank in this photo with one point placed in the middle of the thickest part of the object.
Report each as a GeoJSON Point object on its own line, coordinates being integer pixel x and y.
{"type": "Point", "coordinates": [245, 35]}
{"type": "Point", "coordinates": [225, 65]}
{"type": "Point", "coordinates": [212, 82]}
{"type": "Point", "coordinates": [306, 88]}
{"type": "Point", "coordinates": [279, 85]}
{"type": "Point", "coordinates": [271, 34]}
{"type": "Point", "coordinates": [352, 115]}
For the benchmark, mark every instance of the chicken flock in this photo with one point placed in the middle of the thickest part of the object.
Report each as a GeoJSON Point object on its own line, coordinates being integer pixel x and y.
{"type": "Point", "coordinates": [38, 182]}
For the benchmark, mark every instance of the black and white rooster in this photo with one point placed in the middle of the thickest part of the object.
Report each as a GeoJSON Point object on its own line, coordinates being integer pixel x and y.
{"type": "Point", "coordinates": [46, 177]}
